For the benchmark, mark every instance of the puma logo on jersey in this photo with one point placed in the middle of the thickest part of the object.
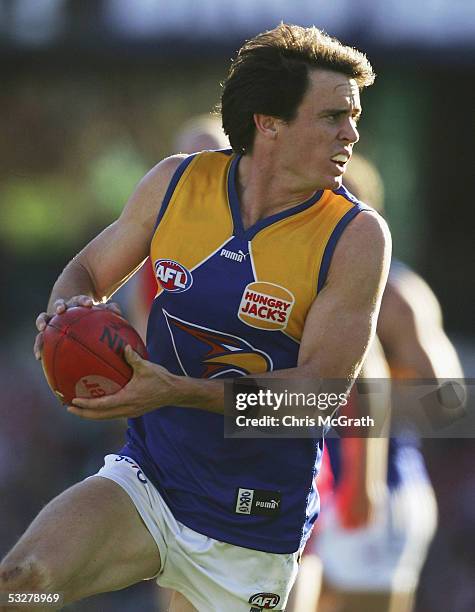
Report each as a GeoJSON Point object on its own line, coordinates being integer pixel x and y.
{"type": "Point", "coordinates": [272, 504]}
{"type": "Point", "coordinates": [257, 502]}
{"type": "Point", "coordinates": [239, 256]}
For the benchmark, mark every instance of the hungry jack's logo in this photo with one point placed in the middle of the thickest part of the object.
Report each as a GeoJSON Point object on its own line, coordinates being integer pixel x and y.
{"type": "Point", "coordinates": [266, 306]}
{"type": "Point", "coordinates": [214, 353]}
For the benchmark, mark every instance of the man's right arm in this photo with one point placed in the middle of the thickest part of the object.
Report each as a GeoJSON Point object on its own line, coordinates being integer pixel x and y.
{"type": "Point", "coordinates": [104, 264]}
{"type": "Point", "coordinates": [411, 330]}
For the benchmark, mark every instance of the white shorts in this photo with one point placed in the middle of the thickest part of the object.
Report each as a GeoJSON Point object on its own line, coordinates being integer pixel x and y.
{"type": "Point", "coordinates": [388, 554]}
{"type": "Point", "coordinates": [212, 575]}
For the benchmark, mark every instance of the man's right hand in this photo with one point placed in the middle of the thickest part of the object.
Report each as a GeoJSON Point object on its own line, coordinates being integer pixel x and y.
{"type": "Point", "coordinates": [59, 307]}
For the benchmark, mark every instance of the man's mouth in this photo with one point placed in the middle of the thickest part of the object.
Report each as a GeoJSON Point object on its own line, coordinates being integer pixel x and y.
{"type": "Point", "coordinates": [340, 159]}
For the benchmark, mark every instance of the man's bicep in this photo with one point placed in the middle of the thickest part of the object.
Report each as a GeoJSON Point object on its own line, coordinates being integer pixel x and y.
{"type": "Point", "coordinates": [342, 319]}
{"type": "Point", "coordinates": [119, 250]}
{"type": "Point", "coordinates": [335, 338]}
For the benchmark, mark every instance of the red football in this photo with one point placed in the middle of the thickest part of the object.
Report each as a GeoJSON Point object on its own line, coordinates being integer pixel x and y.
{"type": "Point", "coordinates": [83, 352]}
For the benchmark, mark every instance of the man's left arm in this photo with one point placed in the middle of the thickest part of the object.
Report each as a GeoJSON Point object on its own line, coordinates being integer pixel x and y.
{"type": "Point", "coordinates": [338, 331]}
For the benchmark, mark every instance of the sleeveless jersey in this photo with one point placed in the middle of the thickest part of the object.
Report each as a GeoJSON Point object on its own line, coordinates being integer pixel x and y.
{"type": "Point", "coordinates": [231, 302]}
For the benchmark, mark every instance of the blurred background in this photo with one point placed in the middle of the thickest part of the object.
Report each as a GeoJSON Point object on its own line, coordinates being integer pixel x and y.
{"type": "Point", "coordinates": [91, 94]}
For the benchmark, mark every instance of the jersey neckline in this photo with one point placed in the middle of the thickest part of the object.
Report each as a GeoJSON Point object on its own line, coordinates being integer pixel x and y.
{"type": "Point", "coordinates": [251, 231]}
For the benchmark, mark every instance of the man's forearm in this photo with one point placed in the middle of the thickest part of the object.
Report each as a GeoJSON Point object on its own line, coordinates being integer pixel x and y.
{"type": "Point", "coordinates": [73, 280]}
{"type": "Point", "coordinates": [200, 393]}
{"type": "Point", "coordinates": [209, 394]}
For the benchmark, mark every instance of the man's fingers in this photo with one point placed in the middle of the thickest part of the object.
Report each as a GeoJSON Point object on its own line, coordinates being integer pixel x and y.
{"type": "Point", "coordinates": [99, 403]}
{"type": "Point", "coordinates": [37, 347]}
{"type": "Point", "coordinates": [41, 321]}
{"type": "Point", "coordinates": [80, 300]}
{"type": "Point", "coordinates": [101, 408]}
{"type": "Point", "coordinates": [131, 357]}
{"type": "Point", "coordinates": [114, 307]}
{"type": "Point", "coordinates": [59, 306]}
{"type": "Point", "coordinates": [94, 415]}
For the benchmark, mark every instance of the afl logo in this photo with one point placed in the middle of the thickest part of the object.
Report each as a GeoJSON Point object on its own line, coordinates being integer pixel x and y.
{"type": "Point", "coordinates": [172, 276]}
{"type": "Point", "coordinates": [264, 601]}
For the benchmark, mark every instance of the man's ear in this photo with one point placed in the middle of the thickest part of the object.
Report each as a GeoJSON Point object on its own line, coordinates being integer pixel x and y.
{"type": "Point", "coordinates": [266, 125]}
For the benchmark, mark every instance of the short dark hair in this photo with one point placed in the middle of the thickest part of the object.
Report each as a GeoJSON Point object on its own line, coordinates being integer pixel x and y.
{"type": "Point", "coordinates": [269, 75]}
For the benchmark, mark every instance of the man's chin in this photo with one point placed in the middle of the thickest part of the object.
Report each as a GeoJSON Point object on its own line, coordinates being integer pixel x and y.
{"type": "Point", "coordinates": [328, 182]}
{"type": "Point", "coordinates": [335, 182]}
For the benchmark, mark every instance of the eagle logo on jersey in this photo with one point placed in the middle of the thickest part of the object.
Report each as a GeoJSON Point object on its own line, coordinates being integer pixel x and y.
{"type": "Point", "coordinates": [214, 353]}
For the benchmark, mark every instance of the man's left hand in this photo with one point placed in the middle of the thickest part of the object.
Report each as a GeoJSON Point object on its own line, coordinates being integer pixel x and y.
{"type": "Point", "coordinates": [150, 387]}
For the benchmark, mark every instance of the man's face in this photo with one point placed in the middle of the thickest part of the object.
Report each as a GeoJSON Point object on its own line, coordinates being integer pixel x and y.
{"type": "Point", "coordinates": [316, 145]}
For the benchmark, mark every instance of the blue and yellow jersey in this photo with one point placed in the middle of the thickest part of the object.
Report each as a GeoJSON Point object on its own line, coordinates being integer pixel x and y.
{"type": "Point", "coordinates": [232, 301]}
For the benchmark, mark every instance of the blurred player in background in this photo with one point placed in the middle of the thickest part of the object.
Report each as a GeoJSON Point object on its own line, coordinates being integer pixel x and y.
{"type": "Point", "coordinates": [199, 133]}
{"type": "Point", "coordinates": [361, 464]}
{"type": "Point", "coordinates": [375, 567]}
{"type": "Point", "coordinates": [225, 230]}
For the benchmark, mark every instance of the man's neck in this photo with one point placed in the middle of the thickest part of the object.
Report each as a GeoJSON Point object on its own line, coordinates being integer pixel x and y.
{"type": "Point", "coordinates": [264, 189]}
